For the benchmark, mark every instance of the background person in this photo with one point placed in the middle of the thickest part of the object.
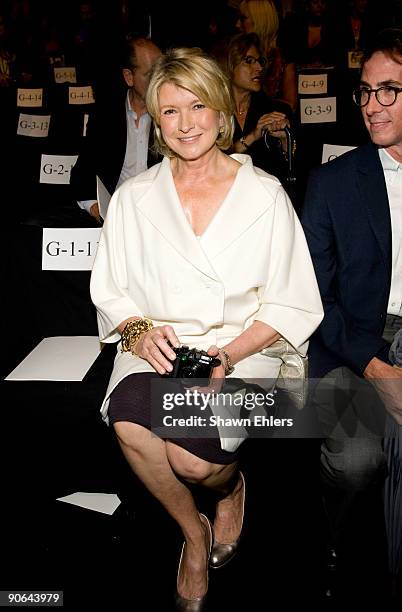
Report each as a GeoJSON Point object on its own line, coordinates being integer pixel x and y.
{"type": "Point", "coordinates": [119, 138]}
{"type": "Point", "coordinates": [259, 120]}
{"type": "Point", "coordinates": [7, 55]}
{"type": "Point", "coordinates": [310, 35]}
{"type": "Point", "coordinates": [183, 259]}
{"type": "Point", "coordinates": [261, 17]}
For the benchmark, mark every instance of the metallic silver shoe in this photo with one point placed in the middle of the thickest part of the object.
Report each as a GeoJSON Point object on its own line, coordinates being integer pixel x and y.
{"type": "Point", "coordinates": [193, 605]}
{"type": "Point", "coordinates": [221, 554]}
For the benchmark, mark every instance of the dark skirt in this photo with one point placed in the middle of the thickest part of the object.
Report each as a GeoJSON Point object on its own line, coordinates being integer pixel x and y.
{"type": "Point", "coordinates": [132, 401]}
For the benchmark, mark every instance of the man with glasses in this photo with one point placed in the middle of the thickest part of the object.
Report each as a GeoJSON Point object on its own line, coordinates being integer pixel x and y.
{"type": "Point", "coordinates": [352, 218]}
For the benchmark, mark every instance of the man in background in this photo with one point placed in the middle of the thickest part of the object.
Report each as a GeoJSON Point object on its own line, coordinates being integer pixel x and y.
{"type": "Point", "coordinates": [119, 139]}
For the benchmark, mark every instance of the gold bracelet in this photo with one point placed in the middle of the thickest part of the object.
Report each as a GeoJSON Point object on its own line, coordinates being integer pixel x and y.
{"type": "Point", "coordinates": [227, 365]}
{"type": "Point", "coordinates": [132, 332]}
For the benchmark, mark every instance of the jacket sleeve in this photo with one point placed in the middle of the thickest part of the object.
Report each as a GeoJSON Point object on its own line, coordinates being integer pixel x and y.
{"type": "Point", "coordinates": [339, 332]}
{"type": "Point", "coordinates": [83, 173]}
{"type": "Point", "coordinates": [290, 300]}
{"type": "Point", "coordinates": [108, 284]}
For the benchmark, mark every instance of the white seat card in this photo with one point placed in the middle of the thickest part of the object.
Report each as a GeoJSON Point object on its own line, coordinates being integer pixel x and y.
{"type": "Point", "coordinates": [69, 248]}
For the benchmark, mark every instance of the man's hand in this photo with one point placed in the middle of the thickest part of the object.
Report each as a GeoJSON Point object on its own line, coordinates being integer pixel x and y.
{"type": "Point", "coordinates": [387, 380]}
{"type": "Point", "coordinates": [94, 212]}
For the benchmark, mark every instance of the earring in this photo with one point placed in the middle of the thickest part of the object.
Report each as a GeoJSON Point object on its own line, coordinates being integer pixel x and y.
{"type": "Point", "coordinates": [221, 129]}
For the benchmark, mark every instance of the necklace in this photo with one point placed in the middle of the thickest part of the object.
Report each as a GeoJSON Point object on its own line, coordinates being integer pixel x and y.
{"type": "Point", "coordinates": [242, 112]}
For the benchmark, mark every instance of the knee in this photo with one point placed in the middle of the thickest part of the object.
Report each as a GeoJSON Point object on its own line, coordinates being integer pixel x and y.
{"type": "Point", "coordinates": [130, 435]}
{"type": "Point", "coordinates": [188, 466]}
{"type": "Point", "coordinates": [354, 467]}
{"type": "Point", "coordinates": [364, 472]}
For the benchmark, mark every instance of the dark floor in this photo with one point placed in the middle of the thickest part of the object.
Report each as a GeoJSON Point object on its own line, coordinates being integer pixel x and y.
{"type": "Point", "coordinates": [53, 442]}
{"type": "Point", "coordinates": [128, 561]}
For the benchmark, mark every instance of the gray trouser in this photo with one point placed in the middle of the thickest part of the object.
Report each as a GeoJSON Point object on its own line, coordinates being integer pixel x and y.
{"type": "Point", "coordinates": [353, 419]}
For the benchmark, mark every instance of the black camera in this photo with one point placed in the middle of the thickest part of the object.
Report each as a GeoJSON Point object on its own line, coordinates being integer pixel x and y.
{"type": "Point", "coordinates": [192, 363]}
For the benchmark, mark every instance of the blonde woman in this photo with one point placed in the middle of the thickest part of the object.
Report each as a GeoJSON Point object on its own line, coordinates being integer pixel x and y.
{"type": "Point", "coordinates": [183, 260]}
{"type": "Point", "coordinates": [261, 17]}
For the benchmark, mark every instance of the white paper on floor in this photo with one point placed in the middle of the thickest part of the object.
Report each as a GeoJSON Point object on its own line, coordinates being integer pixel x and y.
{"type": "Point", "coordinates": [100, 502]}
{"type": "Point", "coordinates": [58, 358]}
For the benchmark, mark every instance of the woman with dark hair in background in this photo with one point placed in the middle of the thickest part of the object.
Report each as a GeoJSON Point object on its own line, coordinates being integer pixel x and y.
{"type": "Point", "coordinates": [259, 120]}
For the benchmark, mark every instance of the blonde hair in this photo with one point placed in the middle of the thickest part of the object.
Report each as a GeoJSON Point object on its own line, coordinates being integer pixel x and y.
{"type": "Point", "coordinates": [194, 70]}
{"type": "Point", "coordinates": [266, 22]}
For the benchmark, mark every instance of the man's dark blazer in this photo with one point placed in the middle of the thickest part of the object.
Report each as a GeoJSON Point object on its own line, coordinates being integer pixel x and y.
{"type": "Point", "coordinates": [104, 148]}
{"type": "Point", "coordinates": [347, 223]}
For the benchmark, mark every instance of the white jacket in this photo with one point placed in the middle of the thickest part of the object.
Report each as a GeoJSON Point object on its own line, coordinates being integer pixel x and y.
{"type": "Point", "coordinates": [252, 262]}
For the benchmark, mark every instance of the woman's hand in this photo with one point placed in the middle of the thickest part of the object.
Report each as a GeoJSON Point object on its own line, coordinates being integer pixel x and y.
{"type": "Point", "coordinates": [153, 347]}
{"type": "Point", "coordinates": [274, 123]}
{"type": "Point", "coordinates": [217, 378]}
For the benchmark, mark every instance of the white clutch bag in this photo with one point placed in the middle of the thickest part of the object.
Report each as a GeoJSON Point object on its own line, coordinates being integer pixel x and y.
{"type": "Point", "coordinates": [293, 373]}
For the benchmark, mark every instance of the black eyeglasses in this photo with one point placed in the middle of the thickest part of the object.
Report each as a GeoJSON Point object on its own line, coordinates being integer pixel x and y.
{"type": "Point", "coordinates": [250, 60]}
{"type": "Point", "coordinates": [386, 95]}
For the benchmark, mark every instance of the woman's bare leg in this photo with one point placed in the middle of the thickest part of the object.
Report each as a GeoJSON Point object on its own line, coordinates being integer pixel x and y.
{"type": "Point", "coordinates": [224, 479]}
{"type": "Point", "coordinates": [146, 455]}
{"type": "Point", "coordinates": [229, 515]}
